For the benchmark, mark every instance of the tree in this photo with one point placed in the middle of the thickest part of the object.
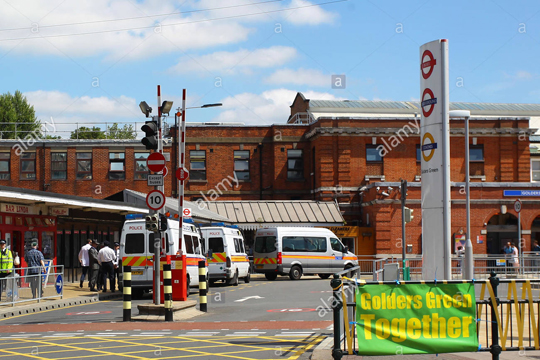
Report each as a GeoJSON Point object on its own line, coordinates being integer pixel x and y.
{"type": "Point", "coordinates": [17, 117]}
{"type": "Point", "coordinates": [86, 133]}
{"type": "Point", "coordinates": [125, 132]}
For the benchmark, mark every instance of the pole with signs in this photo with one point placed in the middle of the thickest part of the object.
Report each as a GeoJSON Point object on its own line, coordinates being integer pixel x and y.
{"type": "Point", "coordinates": [435, 149]}
{"type": "Point", "coordinates": [517, 208]}
{"type": "Point", "coordinates": [403, 233]}
{"type": "Point", "coordinates": [157, 235]}
{"type": "Point", "coordinates": [181, 164]}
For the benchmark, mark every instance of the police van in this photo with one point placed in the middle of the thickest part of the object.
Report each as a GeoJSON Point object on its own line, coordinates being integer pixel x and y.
{"type": "Point", "coordinates": [137, 250]}
{"type": "Point", "coordinates": [226, 253]}
{"type": "Point", "coordinates": [297, 251]}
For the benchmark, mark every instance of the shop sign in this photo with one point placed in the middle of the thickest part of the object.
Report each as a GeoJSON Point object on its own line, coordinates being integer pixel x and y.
{"type": "Point", "coordinates": [17, 209]}
{"type": "Point", "coordinates": [345, 231]}
{"type": "Point", "coordinates": [58, 211]}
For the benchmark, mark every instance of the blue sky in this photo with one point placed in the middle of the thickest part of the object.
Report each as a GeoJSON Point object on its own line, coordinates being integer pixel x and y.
{"type": "Point", "coordinates": [255, 64]}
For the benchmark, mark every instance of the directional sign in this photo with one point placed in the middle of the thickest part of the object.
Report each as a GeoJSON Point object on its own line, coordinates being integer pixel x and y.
{"type": "Point", "coordinates": [187, 212]}
{"type": "Point", "coordinates": [517, 206]}
{"type": "Point", "coordinates": [155, 200]}
{"type": "Point", "coordinates": [155, 180]}
{"type": "Point", "coordinates": [182, 174]}
{"type": "Point", "coordinates": [59, 284]}
{"type": "Point", "coordinates": [155, 162]}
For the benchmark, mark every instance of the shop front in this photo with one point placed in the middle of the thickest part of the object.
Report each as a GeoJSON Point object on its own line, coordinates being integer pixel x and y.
{"type": "Point", "coordinates": [359, 240]}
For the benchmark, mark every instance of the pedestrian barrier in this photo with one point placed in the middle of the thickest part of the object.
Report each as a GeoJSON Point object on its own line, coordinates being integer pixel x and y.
{"type": "Point", "coordinates": [19, 286]}
{"type": "Point", "coordinates": [377, 318]}
{"type": "Point", "coordinates": [127, 292]}
{"type": "Point", "coordinates": [202, 287]}
{"type": "Point", "coordinates": [167, 292]}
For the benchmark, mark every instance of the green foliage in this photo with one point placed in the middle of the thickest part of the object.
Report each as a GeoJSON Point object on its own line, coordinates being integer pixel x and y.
{"type": "Point", "coordinates": [125, 132]}
{"type": "Point", "coordinates": [16, 109]}
{"type": "Point", "coordinates": [86, 133]}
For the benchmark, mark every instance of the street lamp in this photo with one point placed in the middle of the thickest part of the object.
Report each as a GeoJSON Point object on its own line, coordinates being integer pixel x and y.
{"type": "Point", "coordinates": [468, 268]}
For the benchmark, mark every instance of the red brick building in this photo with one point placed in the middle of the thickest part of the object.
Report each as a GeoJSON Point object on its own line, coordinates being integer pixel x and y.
{"type": "Point", "coordinates": [351, 152]}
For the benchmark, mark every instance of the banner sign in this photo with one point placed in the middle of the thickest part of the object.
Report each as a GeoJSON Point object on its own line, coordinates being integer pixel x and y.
{"type": "Point", "coordinates": [416, 319]}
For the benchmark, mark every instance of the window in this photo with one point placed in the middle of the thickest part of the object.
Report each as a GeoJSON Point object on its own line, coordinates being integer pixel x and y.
{"type": "Point", "coordinates": [373, 155]}
{"type": "Point", "coordinates": [241, 246]}
{"type": "Point", "coordinates": [84, 166]}
{"type": "Point", "coordinates": [141, 170]}
{"type": "Point", "coordinates": [535, 169]}
{"type": "Point", "coordinates": [28, 166]}
{"type": "Point", "coordinates": [117, 170]}
{"type": "Point", "coordinates": [418, 153]}
{"type": "Point", "coordinates": [196, 245]}
{"type": "Point", "coordinates": [241, 165]}
{"type": "Point", "coordinates": [189, 244]}
{"type": "Point", "coordinates": [4, 166]}
{"type": "Point", "coordinates": [59, 166]}
{"type": "Point", "coordinates": [197, 165]}
{"type": "Point", "coordinates": [295, 165]}
{"type": "Point", "coordinates": [337, 245]}
{"type": "Point", "coordinates": [476, 153]}
{"type": "Point", "coordinates": [304, 244]}
{"type": "Point", "coordinates": [134, 244]}
{"type": "Point", "coordinates": [216, 245]}
{"type": "Point", "coordinates": [265, 244]}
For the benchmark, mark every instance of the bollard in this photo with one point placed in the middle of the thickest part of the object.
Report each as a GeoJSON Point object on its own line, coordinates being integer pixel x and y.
{"type": "Point", "coordinates": [337, 354]}
{"type": "Point", "coordinates": [202, 286]}
{"type": "Point", "coordinates": [126, 277]}
{"type": "Point", "coordinates": [167, 292]}
{"type": "Point", "coordinates": [495, 347]}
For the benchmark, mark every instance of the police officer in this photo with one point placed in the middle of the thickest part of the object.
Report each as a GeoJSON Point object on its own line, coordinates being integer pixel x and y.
{"type": "Point", "coordinates": [6, 265]}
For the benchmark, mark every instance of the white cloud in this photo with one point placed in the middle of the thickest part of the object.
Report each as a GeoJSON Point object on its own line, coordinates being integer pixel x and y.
{"type": "Point", "coordinates": [241, 60]}
{"type": "Point", "coordinates": [520, 75]}
{"type": "Point", "coordinates": [270, 107]}
{"type": "Point", "coordinates": [301, 76]}
{"type": "Point", "coordinates": [309, 15]}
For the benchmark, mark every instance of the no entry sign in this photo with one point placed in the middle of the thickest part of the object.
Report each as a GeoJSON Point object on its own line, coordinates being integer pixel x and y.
{"type": "Point", "coordinates": [155, 200]}
{"type": "Point", "coordinates": [155, 162]}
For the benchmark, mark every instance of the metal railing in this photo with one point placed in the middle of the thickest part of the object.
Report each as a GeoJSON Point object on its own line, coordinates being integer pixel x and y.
{"type": "Point", "coordinates": [503, 324]}
{"type": "Point", "coordinates": [20, 287]}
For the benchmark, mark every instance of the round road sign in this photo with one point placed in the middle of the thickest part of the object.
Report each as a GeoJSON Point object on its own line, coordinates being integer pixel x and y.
{"type": "Point", "coordinates": [155, 162]}
{"type": "Point", "coordinates": [517, 205]}
{"type": "Point", "coordinates": [428, 101]}
{"type": "Point", "coordinates": [182, 174]}
{"type": "Point", "coordinates": [428, 63]}
{"type": "Point", "coordinates": [59, 284]}
{"type": "Point", "coordinates": [187, 212]}
{"type": "Point", "coordinates": [155, 200]}
{"type": "Point", "coordinates": [165, 171]}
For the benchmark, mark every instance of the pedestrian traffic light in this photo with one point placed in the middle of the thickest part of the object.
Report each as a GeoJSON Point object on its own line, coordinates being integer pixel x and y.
{"type": "Point", "coordinates": [152, 222]}
{"type": "Point", "coordinates": [151, 131]}
{"type": "Point", "coordinates": [162, 222]}
{"type": "Point", "coordinates": [408, 215]}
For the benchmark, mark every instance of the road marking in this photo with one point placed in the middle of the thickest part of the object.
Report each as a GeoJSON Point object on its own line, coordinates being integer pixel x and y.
{"type": "Point", "coordinates": [44, 311]}
{"type": "Point", "coordinates": [301, 334]}
{"type": "Point", "coordinates": [246, 333]}
{"type": "Point", "coordinates": [207, 333]}
{"type": "Point", "coordinates": [249, 297]}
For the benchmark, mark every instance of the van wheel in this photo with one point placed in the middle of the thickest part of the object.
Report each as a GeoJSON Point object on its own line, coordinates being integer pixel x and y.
{"type": "Point", "coordinates": [270, 276]}
{"type": "Point", "coordinates": [296, 273]}
{"type": "Point", "coordinates": [247, 279]}
{"type": "Point", "coordinates": [234, 280]}
{"type": "Point", "coordinates": [187, 286]}
{"type": "Point", "coordinates": [324, 276]}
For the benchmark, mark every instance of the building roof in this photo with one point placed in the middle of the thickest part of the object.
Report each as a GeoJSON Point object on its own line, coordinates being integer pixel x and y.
{"type": "Point", "coordinates": [254, 214]}
{"type": "Point", "coordinates": [30, 197]}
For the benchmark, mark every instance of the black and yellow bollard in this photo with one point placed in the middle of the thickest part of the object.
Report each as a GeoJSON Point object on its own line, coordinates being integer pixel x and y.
{"type": "Point", "coordinates": [167, 292]}
{"type": "Point", "coordinates": [202, 286]}
{"type": "Point", "coordinates": [126, 276]}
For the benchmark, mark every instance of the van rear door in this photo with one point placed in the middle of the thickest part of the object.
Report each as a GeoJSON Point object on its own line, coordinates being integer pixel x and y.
{"type": "Point", "coordinates": [135, 251]}
{"type": "Point", "coordinates": [265, 252]}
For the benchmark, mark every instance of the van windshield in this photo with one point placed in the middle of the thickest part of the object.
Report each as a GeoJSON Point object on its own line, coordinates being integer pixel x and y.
{"type": "Point", "coordinates": [265, 244]}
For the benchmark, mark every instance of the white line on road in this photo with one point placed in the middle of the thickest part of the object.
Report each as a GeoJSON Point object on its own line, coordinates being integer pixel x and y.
{"type": "Point", "coordinates": [208, 333]}
{"type": "Point", "coordinates": [306, 334]}
{"type": "Point", "coordinates": [245, 333]}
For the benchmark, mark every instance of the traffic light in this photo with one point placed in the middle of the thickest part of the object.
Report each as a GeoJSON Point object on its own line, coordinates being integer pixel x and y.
{"type": "Point", "coordinates": [152, 222]}
{"type": "Point", "coordinates": [162, 222]}
{"type": "Point", "coordinates": [151, 135]}
{"type": "Point", "coordinates": [408, 215]}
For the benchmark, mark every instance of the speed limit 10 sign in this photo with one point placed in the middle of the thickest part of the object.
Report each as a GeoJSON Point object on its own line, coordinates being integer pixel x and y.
{"type": "Point", "coordinates": [155, 200]}
{"type": "Point", "coordinates": [517, 206]}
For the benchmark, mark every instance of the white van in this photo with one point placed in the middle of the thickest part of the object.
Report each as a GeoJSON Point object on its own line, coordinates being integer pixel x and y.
{"type": "Point", "coordinates": [226, 254]}
{"type": "Point", "coordinates": [137, 244]}
{"type": "Point", "coordinates": [295, 251]}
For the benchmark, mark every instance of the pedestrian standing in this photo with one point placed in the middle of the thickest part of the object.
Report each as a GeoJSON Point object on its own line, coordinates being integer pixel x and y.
{"type": "Point", "coordinates": [85, 261]}
{"type": "Point", "coordinates": [94, 264]}
{"type": "Point", "coordinates": [117, 264]}
{"type": "Point", "coordinates": [6, 265]}
{"type": "Point", "coordinates": [515, 257]}
{"type": "Point", "coordinates": [106, 257]}
{"type": "Point", "coordinates": [34, 260]}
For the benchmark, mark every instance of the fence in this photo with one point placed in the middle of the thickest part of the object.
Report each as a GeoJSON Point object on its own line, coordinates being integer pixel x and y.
{"type": "Point", "coordinates": [20, 287]}
{"type": "Point", "coordinates": [503, 324]}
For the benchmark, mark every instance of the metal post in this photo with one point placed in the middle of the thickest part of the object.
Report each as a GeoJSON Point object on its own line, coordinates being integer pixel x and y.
{"type": "Point", "coordinates": [468, 271]}
{"type": "Point", "coordinates": [403, 233]}
{"type": "Point", "coordinates": [157, 235]}
{"type": "Point", "coordinates": [337, 354]}
{"type": "Point", "coordinates": [495, 347]}
{"type": "Point", "coordinates": [447, 195]}
{"type": "Point", "coordinates": [126, 277]}
{"type": "Point", "coordinates": [203, 301]}
{"type": "Point", "coordinates": [520, 250]}
{"type": "Point", "coordinates": [167, 292]}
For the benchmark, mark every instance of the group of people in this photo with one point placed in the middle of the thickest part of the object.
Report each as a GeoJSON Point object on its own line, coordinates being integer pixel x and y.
{"type": "Point", "coordinates": [99, 262]}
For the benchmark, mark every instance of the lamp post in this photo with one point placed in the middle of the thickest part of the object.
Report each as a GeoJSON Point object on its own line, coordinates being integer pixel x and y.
{"type": "Point", "coordinates": [468, 268]}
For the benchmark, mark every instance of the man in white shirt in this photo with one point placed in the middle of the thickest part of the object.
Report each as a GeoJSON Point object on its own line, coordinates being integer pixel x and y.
{"type": "Point", "coordinates": [85, 261]}
{"type": "Point", "coordinates": [106, 257]}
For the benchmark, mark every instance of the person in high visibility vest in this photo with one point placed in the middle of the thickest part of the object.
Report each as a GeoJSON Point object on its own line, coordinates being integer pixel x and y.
{"type": "Point", "coordinates": [6, 265]}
